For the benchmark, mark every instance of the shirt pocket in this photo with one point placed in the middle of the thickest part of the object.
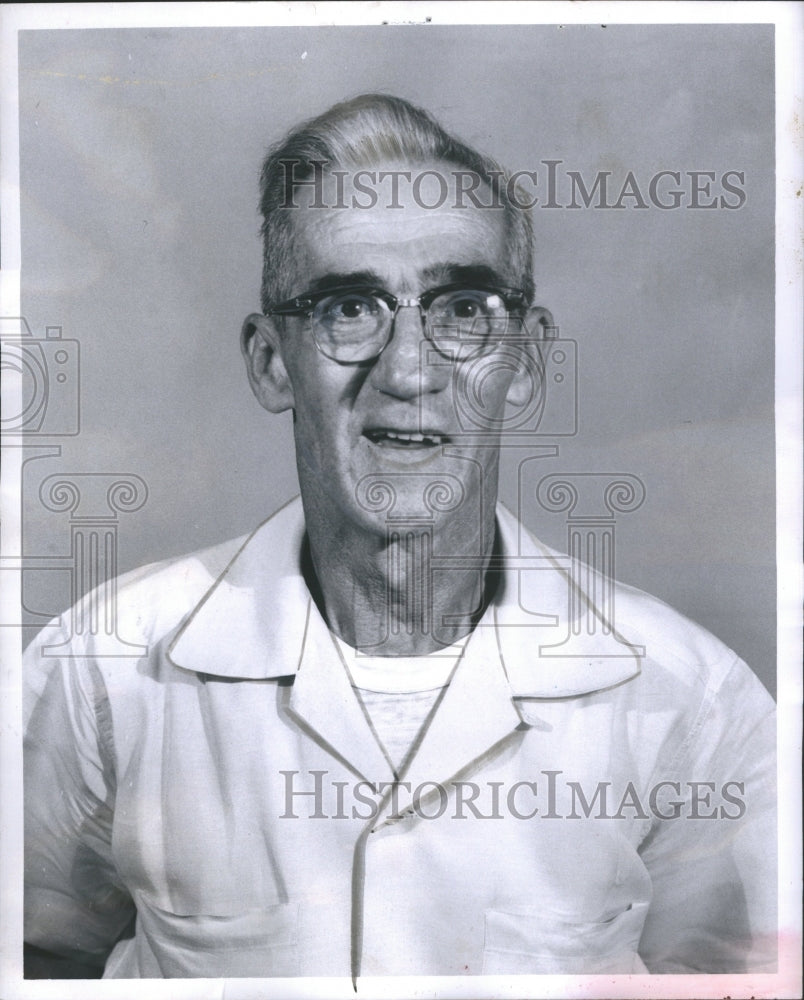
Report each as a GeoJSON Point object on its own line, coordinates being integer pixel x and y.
{"type": "Point", "coordinates": [542, 941]}
{"type": "Point", "coordinates": [257, 943]}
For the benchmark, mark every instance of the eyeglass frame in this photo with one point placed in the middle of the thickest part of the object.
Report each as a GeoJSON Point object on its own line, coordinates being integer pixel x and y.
{"type": "Point", "coordinates": [304, 305]}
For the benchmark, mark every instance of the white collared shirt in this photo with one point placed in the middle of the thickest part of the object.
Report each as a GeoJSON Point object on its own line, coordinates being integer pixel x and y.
{"type": "Point", "coordinates": [227, 786]}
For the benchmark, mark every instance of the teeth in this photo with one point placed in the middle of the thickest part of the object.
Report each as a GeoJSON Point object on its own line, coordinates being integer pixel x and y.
{"type": "Point", "coordinates": [411, 438]}
{"type": "Point", "coordinates": [405, 437]}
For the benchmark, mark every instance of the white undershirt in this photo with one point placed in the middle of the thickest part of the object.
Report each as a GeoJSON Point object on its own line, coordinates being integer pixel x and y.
{"type": "Point", "coordinates": [398, 693]}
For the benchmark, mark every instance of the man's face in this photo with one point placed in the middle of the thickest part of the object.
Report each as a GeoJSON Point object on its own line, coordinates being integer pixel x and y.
{"type": "Point", "coordinates": [392, 427]}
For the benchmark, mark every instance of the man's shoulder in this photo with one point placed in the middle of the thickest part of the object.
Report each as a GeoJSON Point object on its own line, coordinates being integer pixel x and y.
{"type": "Point", "coordinates": [136, 609]}
{"type": "Point", "coordinates": [148, 603]}
{"type": "Point", "coordinates": [684, 662]}
{"type": "Point", "coordinates": [158, 595]}
{"type": "Point", "coordinates": [667, 634]}
{"type": "Point", "coordinates": [673, 650]}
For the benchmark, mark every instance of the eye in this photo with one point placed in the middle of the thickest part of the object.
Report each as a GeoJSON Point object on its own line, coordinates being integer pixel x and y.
{"type": "Point", "coordinates": [466, 304]}
{"type": "Point", "coordinates": [462, 305]}
{"type": "Point", "coordinates": [348, 307]}
{"type": "Point", "coordinates": [465, 307]}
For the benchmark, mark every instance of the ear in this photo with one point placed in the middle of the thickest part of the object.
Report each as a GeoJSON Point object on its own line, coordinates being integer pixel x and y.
{"type": "Point", "coordinates": [535, 329]}
{"type": "Point", "coordinates": [261, 346]}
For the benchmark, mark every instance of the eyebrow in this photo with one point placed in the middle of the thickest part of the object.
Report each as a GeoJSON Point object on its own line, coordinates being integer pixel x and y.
{"type": "Point", "coordinates": [470, 274]}
{"type": "Point", "coordinates": [336, 279]}
{"type": "Point", "coordinates": [445, 273]}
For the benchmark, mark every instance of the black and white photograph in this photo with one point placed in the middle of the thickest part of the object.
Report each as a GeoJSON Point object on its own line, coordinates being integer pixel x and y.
{"type": "Point", "coordinates": [401, 556]}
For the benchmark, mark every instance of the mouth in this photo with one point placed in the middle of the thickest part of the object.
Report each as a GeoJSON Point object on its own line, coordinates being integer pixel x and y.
{"type": "Point", "coordinates": [388, 437]}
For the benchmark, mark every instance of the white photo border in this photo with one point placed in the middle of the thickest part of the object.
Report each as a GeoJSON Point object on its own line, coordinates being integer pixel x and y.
{"type": "Point", "coordinates": [788, 19]}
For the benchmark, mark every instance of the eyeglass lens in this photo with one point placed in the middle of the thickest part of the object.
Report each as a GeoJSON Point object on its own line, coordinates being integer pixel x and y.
{"type": "Point", "coordinates": [355, 325]}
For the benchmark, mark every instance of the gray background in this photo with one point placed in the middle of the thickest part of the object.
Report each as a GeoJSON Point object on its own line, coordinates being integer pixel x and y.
{"type": "Point", "coordinates": [140, 152]}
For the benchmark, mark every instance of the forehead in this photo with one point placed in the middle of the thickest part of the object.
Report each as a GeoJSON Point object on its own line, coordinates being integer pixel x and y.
{"type": "Point", "coordinates": [398, 222]}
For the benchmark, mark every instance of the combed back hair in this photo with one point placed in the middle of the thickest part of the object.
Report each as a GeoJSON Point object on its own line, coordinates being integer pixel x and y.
{"type": "Point", "coordinates": [367, 131]}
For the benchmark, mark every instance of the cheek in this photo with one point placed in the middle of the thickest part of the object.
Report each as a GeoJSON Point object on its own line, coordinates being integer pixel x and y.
{"type": "Point", "coordinates": [481, 386]}
{"type": "Point", "coordinates": [308, 382]}
{"type": "Point", "coordinates": [322, 415]}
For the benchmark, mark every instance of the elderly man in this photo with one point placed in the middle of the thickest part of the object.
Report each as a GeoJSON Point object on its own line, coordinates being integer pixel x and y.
{"type": "Point", "coordinates": [347, 751]}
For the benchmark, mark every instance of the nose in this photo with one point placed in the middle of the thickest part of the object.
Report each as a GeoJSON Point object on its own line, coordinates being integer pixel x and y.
{"type": "Point", "coordinates": [409, 366]}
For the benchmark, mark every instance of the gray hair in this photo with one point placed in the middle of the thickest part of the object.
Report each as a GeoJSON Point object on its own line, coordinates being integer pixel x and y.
{"type": "Point", "coordinates": [370, 130]}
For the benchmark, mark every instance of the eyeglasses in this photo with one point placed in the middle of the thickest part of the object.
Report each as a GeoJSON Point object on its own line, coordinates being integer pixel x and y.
{"type": "Point", "coordinates": [353, 324]}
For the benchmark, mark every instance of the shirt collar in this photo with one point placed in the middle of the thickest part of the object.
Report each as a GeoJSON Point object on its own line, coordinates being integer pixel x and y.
{"type": "Point", "coordinates": [570, 647]}
{"type": "Point", "coordinates": [253, 621]}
